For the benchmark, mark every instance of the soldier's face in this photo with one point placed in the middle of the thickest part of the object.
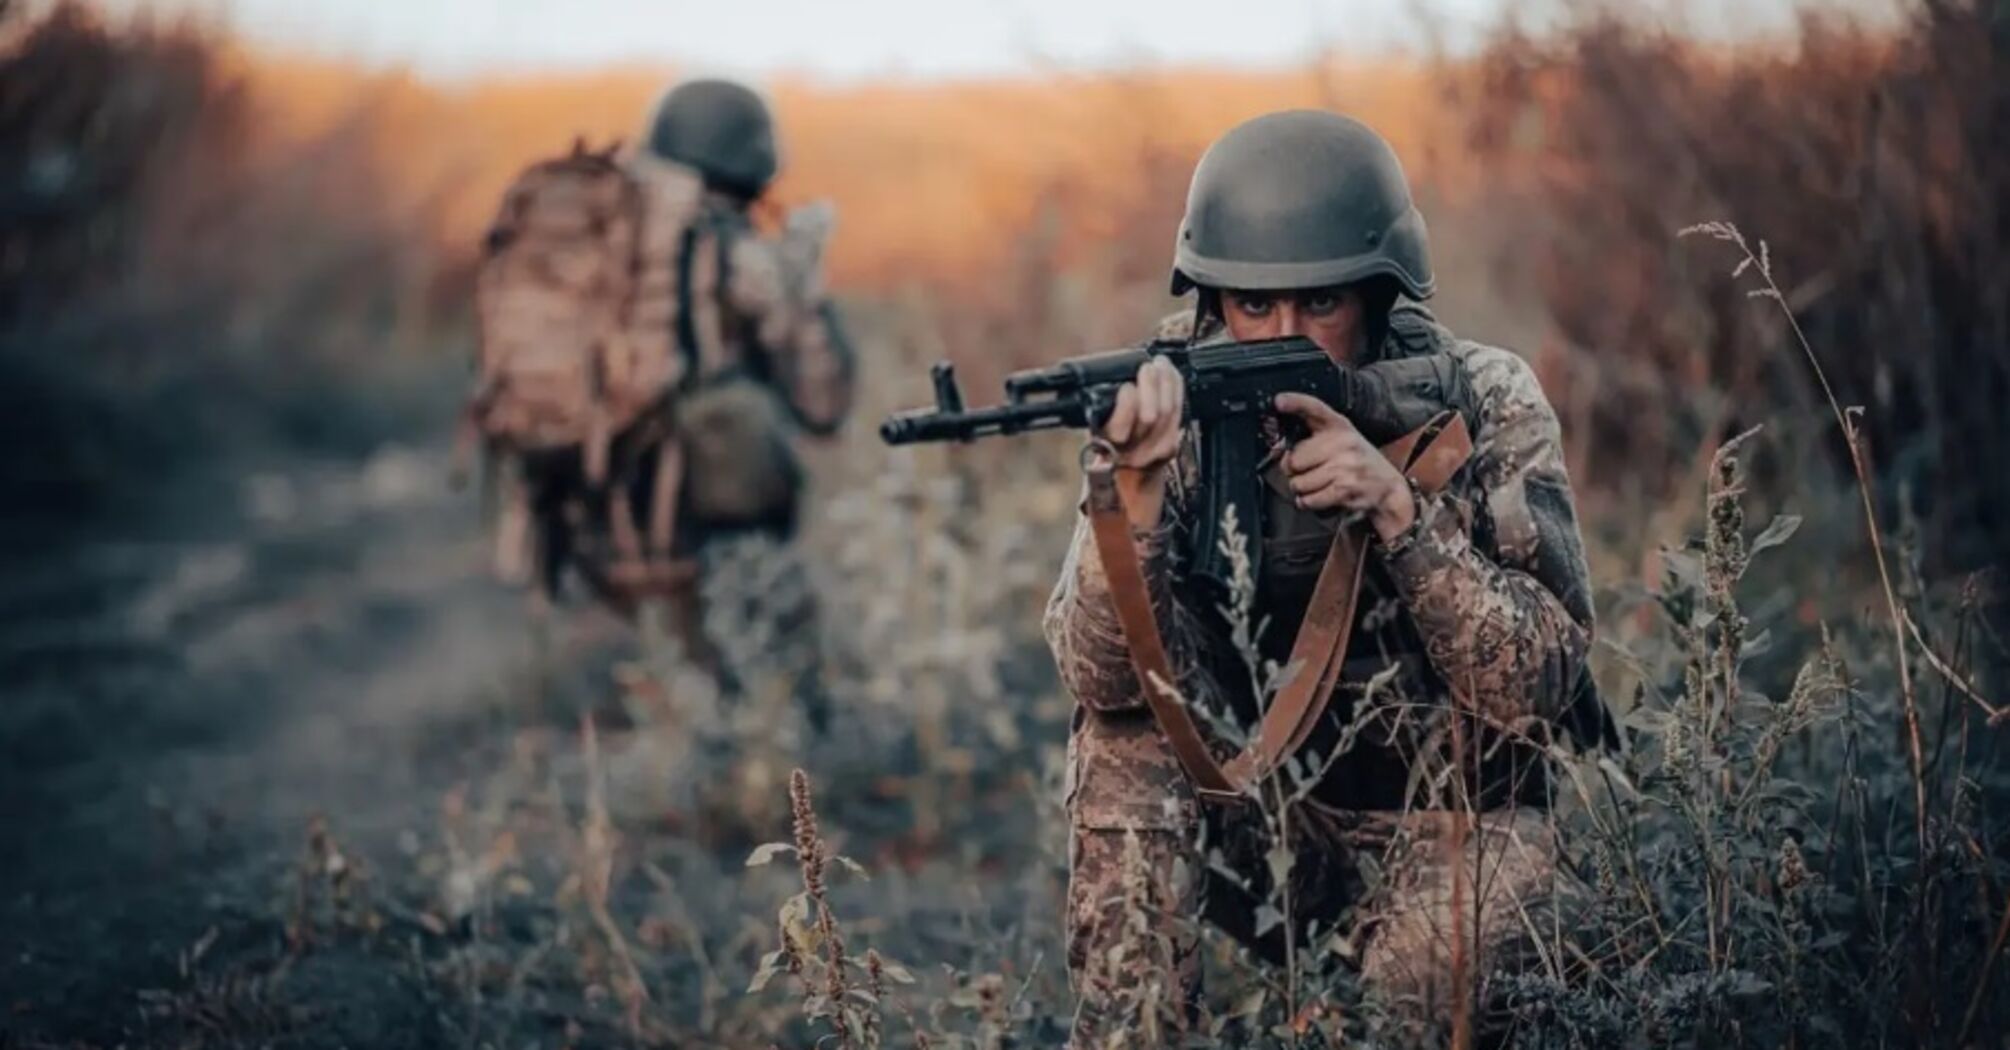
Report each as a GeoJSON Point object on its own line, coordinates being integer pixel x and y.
{"type": "Point", "coordinates": [1330, 317]}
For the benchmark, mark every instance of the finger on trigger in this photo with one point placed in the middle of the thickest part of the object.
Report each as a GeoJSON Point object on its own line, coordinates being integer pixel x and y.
{"type": "Point", "coordinates": [1316, 414]}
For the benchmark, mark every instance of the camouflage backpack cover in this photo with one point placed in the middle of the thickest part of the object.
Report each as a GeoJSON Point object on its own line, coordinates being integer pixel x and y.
{"type": "Point", "coordinates": [612, 392]}
{"type": "Point", "coordinates": [576, 306]}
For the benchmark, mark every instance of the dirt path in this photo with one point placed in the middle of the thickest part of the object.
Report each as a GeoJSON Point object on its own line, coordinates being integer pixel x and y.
{"type": "Point", "coordinates": [183, 700]}
{"type": "Point", "coordinates": [180, 702]}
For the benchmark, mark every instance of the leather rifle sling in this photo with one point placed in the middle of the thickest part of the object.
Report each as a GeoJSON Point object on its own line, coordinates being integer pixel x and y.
{"type": "Point", "coordinates": [1428, 456]}
{"type": "Point", "coordinates": [1320, 648]}
{"type": "Point", "coordinates": [1111, 528]}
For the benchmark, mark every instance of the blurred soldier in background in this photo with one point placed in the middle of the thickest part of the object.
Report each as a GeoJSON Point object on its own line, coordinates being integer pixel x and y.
{"type": "Point", "coordinates": [648, 357]}
{"type": "Point", "coordinates": [1424, 840]}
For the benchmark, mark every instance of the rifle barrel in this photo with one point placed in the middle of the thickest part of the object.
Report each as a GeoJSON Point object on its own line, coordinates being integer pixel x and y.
{"type": "Point", "coordinates": [908, 428]}
{"type": "Point", "coordinates": [1077, 373]}
{"type": "Point", "coordinates": [1222, 380]}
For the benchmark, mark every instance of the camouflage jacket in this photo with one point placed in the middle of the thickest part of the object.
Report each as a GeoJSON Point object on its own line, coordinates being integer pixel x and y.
{"type": "Point", "coordinates": [743, 304]}
{"type": "Point", "coordinates": [1488, 591]}
{"type": "Point", "coordinates": [776, 323]}
{"type": "Point", "coordinates": [752, 351]}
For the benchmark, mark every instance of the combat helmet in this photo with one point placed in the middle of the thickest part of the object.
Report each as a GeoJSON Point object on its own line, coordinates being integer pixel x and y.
{"type": "Point", "coordinates": [721, 129]}
{"type": "Point", "coordinates": [1300, 199]}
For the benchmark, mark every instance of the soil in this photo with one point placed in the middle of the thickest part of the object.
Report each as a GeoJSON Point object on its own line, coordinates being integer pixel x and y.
{"type": "Point", "coordinates": [276, 684]}
{"type": "Point", "coordinates": [186, 691]}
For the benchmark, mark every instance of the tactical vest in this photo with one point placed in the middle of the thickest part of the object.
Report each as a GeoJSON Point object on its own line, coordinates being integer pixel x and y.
{"type": "Point", "coordinates": [1375, 773]}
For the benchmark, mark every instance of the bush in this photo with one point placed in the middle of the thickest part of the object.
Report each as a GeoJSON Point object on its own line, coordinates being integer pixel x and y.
{"type": "Point", "coordinates": [162, 247]}
{"type": "Point", "coordinates": [1872, 157]}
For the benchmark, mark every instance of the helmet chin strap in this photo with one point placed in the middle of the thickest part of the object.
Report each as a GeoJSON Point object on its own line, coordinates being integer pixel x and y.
{"type": "Point", "coordinates": [1206, 304]}
{"type": "Point", "coordinates": [1378, 297]}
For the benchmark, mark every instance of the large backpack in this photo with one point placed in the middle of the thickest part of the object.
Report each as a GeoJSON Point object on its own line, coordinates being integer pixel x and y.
{"type": "Point", "coordinates": [578, 304]}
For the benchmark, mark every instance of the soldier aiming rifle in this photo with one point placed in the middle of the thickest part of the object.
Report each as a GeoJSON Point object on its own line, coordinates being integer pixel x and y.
{"type": "Point", "coordinates": [1404, 541]}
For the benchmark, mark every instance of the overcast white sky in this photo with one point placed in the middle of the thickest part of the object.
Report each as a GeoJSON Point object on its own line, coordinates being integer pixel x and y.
{"type": "Point", "coordinates": [853, 38]}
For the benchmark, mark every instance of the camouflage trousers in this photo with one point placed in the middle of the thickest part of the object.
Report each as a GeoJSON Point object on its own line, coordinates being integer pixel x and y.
{"type": "Point", "coordinates": [1148, 862]}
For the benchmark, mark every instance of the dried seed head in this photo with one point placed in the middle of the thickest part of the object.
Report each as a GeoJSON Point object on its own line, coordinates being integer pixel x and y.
{"type": "Point", "coordinates": [809, 843]}
{"type": "Point", "coordinates": [1675, 742]}
{"type": "Point", "coordinates": [834, 985]}
{"type": "Point", "coordinates": [1724, 545]}
{"type": "Point", "coordinates": [1793, 869]}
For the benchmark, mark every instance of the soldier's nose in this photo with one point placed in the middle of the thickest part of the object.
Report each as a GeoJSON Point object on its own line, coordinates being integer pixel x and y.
{"type": "Point", "coordinates": [1289, 323]}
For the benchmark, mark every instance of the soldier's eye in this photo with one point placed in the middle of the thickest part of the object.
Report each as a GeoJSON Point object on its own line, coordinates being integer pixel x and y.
{"type": "Point", "coordinates": [1252, 304]}
{"type": "Point", "coordinates": [1322, 304]}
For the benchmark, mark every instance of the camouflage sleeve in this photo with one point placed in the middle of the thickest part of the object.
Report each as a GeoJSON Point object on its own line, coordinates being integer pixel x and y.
{"type": "Point", "coordinates": [1081, 621]}
{"type": "Point", "coordinates": [1088, 641]}
{"type": "Point", "coordinates": [815, 367]}
{"type": "Point", "coordinates": [1082, 628]}
{"type": "Point", "coordinates": [1508, 629]}
{"type": "Point", "coordinates": [796, 328]}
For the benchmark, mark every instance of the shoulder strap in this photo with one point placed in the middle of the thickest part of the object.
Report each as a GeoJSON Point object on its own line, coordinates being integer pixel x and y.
{"type": "Point", "coordinates": [704, 273]}
{"type": "Point", "coordinates": [687, 330]}
{"type": "Point", "coordinates": [1111, 528]}
{"type": "Point", "coordinates": [1429, 456]}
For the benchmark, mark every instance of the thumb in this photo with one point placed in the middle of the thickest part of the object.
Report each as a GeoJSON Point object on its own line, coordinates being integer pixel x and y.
{"type": "Point", "coordinates": [1317, 415]}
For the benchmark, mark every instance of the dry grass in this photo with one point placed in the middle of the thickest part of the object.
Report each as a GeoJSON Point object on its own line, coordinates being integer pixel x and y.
{"type": "Point", "coordinates": [1871, 161]}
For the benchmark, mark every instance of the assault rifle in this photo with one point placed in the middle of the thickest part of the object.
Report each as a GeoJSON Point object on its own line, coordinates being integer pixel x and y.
{"type": "Point", "coordinates": [1230, 387]}
{"type": "Point", "coordinates": [1221, 380]}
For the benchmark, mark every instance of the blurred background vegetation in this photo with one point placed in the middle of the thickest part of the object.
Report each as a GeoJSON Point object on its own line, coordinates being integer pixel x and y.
{"type": "Point", "coordinates": [178, 202]}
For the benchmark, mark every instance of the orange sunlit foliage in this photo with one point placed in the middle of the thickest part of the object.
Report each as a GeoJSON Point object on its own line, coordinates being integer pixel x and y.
{"type": "Point", "coordinates": [933, 181]}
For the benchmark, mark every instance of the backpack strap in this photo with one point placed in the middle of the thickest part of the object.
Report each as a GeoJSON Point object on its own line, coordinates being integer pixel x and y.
{"type": "Point", "coordinates": [663, 495]}
{"type": "Point", "coordinates": [687, 329]}
{"type": "Point", "coordinates": [727, 355]}
{"type": "Point", "coordinates": [1428, 456]}
{"type": "Point", "coordinates": [621, 525]}
{"type": "Point", "coordinates": [704, 267]}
